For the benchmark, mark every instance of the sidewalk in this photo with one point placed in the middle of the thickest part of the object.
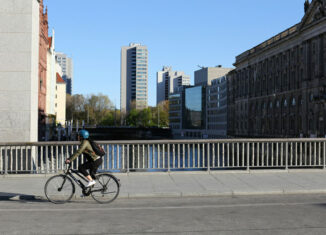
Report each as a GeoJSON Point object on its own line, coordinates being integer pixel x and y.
{"type": "Point", "coordinates": [183, 184]}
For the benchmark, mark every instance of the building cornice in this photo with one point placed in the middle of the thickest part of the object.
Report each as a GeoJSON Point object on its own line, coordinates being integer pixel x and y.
{"type": "Point", "coordinates": [282, 37]}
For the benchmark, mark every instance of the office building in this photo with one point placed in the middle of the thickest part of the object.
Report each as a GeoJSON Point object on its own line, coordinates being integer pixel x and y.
{"type": "Point", "coordinates": [66, 64]}
{"type": "Point", "coordinates": [168, 81]}
{"type": "Point", "coordinates": [205, 75]}
{"type": "Point", "coordinates": [200, 111]}
{"type": "Point", "coordinates": [134, 77]}
{"type": "Point", "coordinates": [19, 33]}
{"type": "Point", "coordinates": [272, 92]}
{"type": "Point", "coordinates": [216, 111]}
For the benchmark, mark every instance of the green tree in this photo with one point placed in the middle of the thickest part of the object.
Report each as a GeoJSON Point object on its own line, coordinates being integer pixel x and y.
{"type": "Point", "coordinates": [132, 118]}
{"type": "Point", "coordinates": [145, 117]}
{"type": "Point", "coordinates": [108, 119]}
{"type": "Point", "coordinates": [94, 109]}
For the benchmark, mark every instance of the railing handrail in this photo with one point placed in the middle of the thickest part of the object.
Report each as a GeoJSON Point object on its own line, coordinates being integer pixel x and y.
{"type": "Point", "coordinates": [185, 141]}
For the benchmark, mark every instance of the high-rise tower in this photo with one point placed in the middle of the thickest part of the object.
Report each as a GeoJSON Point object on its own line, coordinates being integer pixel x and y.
{"type": "Point", "coordinates": [134, 77]}
{"type": "Point", "coordinates": [66, 64]}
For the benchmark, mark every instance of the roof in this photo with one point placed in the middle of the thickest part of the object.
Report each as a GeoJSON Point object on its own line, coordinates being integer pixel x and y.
{"type": "Point", "coordinates": [59, 79]}
{"type": "Point", "coordinates": [50, 41]}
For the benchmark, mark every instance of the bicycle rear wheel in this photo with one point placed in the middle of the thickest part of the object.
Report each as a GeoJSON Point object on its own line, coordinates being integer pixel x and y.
{"type": "Point", "coordinates": [106, 189]}
{"type": "Point", "coordinates": [59, 189]}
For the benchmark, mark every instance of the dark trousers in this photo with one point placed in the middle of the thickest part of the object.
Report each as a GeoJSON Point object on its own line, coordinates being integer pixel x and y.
{"type": "Point", "coordinates": [91, 165]}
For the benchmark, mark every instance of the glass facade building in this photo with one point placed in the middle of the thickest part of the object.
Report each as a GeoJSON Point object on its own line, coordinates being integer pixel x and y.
{"type": "Point", "coordinates": [194, 108]}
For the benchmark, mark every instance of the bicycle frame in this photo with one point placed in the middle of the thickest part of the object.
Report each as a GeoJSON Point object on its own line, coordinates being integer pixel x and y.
{"type": "Point", "coordinates": [69, 173]}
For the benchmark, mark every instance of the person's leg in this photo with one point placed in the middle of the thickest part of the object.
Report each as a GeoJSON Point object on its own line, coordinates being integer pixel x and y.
{"type": "Point", "coordinates": [83, 169]}
{"type": "Point", "coordinates": [95, 166]}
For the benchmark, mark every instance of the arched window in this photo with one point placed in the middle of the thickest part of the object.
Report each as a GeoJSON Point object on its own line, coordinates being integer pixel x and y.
{"type": "Point", "coordinates": [285, 103]}
{"type": "Point", "coordinates": [293, 102]}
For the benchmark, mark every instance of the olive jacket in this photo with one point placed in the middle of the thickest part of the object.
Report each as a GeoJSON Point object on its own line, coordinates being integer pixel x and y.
{"type": "Point", "coordinates": [84, 148]}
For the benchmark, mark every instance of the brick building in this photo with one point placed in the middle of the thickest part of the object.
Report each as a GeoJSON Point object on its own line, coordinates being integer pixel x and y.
{"type": "Point", "coordinates": [43, 47]}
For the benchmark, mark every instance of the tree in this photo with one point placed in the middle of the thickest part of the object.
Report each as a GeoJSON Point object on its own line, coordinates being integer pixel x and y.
{"type": "Point", "coordinates": [94, 109]}
{"type": "Point", "coordinates": [108, 119]}
{"type": "Point", "coordinates": [145, 117]}
{"type": "Point", "coordinates": [132, 118]}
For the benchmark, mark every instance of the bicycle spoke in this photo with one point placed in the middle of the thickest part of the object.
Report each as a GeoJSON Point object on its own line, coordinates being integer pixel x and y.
{"type": "Point", "coordinates": [59, 189]}
{"type": "Point", "coordinates": [106, 190]}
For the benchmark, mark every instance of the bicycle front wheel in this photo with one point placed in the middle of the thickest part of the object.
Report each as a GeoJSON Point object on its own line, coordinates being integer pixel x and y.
{"type": "Point", "coordinates": [59, 189]}
{"type": "Point", "coordinates": [106, 189]}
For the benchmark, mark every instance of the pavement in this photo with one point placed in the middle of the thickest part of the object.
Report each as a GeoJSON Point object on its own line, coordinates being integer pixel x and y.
{"type": "Point", "coordinates": [183, 184]}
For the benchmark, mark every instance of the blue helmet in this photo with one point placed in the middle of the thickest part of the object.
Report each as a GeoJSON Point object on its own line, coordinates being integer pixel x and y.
{"type": "Point", "coordinates": [84, 134]}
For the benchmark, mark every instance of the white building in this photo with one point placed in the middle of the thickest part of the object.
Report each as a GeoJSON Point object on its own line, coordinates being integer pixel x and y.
{"type": "Point", "coordinates": [19, 54]}
{"type": "Point", "coordinates": [50, 76]}
{"type": "Point", "coordinates": [60, 100]}
{"type": "Point", "coordinates": [134, 77]}
{"type": "Point", "coordinates": [66, 64]}
{"type": "Point", "coordinates": [168, 81]}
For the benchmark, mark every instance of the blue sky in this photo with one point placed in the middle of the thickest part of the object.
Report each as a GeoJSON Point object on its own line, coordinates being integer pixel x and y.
{"type": "Point", "coordinates": [178, 33]}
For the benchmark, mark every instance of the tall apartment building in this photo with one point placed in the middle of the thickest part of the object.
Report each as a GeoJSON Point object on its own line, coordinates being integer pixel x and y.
{"type": "Point", "coordinates": [66, 64]}
{"type": "Point", "coordinates": [19, 33]}
{"type": "Point", "coordinates": [134, 77]}
{"type": "Point", "coordinates": [168, 81]}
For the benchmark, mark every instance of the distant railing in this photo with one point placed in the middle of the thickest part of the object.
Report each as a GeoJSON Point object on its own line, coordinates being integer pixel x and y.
{"type": "Point", "coordinates": [169, 155]}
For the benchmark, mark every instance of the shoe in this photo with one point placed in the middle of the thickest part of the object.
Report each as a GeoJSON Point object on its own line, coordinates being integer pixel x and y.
{"type": "Point", "coordinates": [90, 183]}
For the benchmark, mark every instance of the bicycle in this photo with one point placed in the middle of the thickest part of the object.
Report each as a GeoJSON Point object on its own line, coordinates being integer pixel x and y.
{"type": "Point", "coordinates": [60, 188]}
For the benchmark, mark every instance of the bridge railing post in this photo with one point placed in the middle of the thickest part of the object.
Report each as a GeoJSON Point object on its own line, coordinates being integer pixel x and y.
{"type": "Point", "coordinates": [248, 157]}
{"type": "Point", "coordinates": [208, 158]}
{"type": "Point", "coordinates": [324, 155]}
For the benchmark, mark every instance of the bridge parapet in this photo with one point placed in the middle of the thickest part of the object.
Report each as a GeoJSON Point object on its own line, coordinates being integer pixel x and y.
{"type": "Point", "coordinates": [169, 155]}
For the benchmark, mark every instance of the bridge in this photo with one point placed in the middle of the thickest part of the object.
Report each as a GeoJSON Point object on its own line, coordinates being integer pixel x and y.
{"type": "Point", "coordinates": [177, 168]}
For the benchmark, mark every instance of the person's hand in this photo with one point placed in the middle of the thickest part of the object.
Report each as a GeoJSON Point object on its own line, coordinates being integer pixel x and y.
{"type": "Point", "coordinates": [67, 161]}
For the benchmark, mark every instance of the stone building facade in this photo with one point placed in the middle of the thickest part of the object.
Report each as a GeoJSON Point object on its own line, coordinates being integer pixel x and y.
{"type": "Point", "coordinates": [274, 90]}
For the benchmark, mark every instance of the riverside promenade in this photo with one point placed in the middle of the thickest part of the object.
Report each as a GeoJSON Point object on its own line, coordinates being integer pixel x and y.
{"type": "Point", "coordinates": [183, 184]}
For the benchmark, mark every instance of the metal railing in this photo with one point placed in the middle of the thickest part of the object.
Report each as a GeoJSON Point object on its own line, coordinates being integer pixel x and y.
{"type": "Point", "coordinates": [169, 155]}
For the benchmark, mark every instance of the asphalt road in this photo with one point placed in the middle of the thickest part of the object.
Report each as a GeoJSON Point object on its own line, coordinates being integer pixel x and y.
{"type": "Point", "coordinates": [291, 214]}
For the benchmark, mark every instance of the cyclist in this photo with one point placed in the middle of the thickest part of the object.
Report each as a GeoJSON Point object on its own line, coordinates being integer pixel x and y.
{"type": "Point", "coordinates": [93, 161]}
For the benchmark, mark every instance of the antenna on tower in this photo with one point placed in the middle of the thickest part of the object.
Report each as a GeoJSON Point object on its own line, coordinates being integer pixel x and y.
{"type": "Point", "coordinates": [202, 67]}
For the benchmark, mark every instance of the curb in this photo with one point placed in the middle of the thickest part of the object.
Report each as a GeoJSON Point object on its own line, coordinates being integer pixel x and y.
{"type": "Point", "coordinates": [169, 195]}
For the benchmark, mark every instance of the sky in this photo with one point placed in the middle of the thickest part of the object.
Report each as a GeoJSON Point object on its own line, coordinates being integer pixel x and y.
{"type": "Point", "coordinates": [183, 34]}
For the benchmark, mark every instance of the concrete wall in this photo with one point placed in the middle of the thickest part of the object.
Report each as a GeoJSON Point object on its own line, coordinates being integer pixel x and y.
{"type": "Point", "coordinates": [19, 49]}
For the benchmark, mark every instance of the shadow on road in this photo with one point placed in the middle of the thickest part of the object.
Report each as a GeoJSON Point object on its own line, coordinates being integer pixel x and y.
{"type": "Point", "coordinates": [5, 196]}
